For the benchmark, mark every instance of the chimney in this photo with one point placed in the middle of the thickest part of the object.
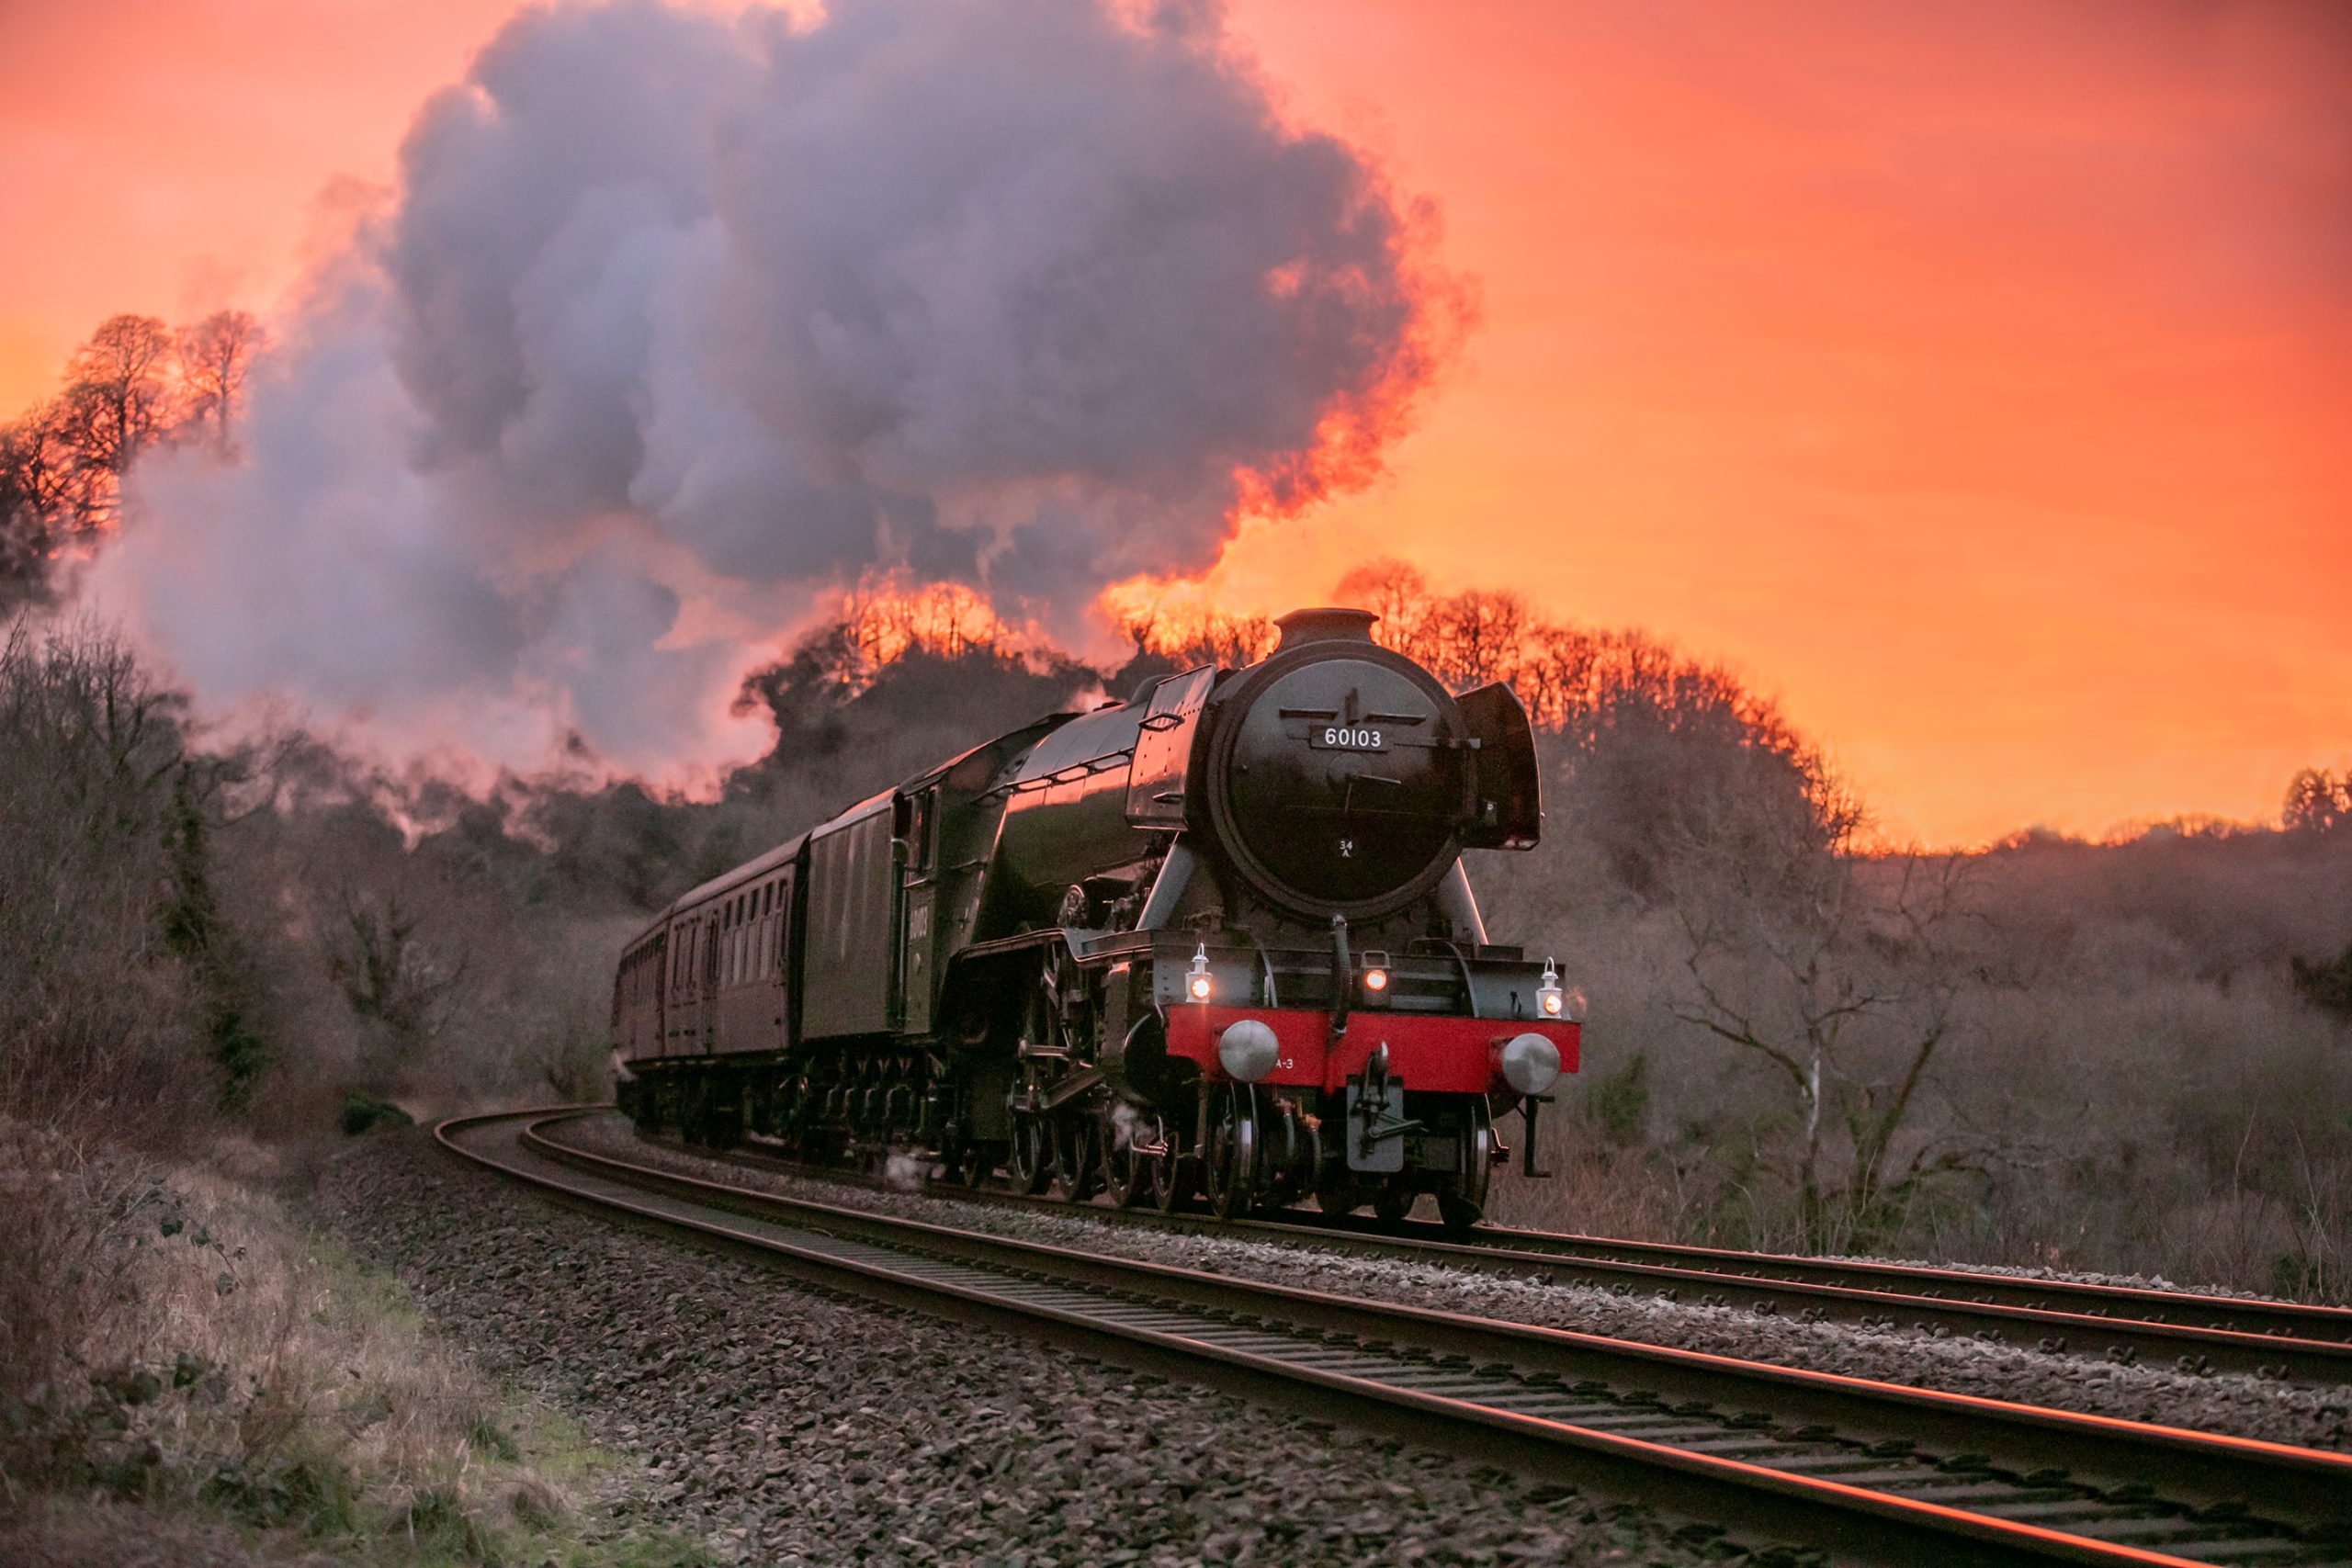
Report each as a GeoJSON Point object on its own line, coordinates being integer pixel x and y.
{"type": "Point", "coordinates": [1330, 624]}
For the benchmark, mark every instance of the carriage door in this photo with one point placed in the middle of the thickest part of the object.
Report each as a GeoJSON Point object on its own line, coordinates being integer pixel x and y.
{"type": "Point", "coordinates": [707, 949]}
{"type": "Point", "coordinates": [776, 940]}
{"type": "Point", "coordinates": [916, 830]}
{"type": "Point", "coordinates": [657, 961]}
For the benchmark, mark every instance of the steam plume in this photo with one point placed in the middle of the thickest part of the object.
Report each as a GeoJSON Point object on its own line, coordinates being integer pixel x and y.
{"type": "Point", "coordinates": [676, 320]}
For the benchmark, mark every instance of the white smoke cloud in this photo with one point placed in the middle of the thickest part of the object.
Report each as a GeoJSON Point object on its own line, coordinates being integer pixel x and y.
{"type": "Point", "coordinates": [676, 320]}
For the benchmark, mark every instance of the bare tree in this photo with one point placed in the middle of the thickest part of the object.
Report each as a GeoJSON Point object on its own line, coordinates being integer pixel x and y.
{"type": "Point", "coordinates": [38, 501]}
{"type": "Point", "coordinates": [1190, 634]}
{"type": "Point", "coordinates": [216, 359]}
{"type": "Point", "coordinates": [1844, 974]}
{"type": "Point", "coordinates": [1400, 595]}
{"type": "Point", "coordinates": [2317, 802]}
{"type": "Point", "coordinates": [117, 397]}
{"type": "Point", "coordinates": [61, 462]}
{"type": "Point", "coordinates": [1475, 637]}
{"type": "Point", "coordinates": [1556, 671]}
{"type": "Point", "coordinates": [390, 974]}
{"type": "Point", "coordinates": [89, 1033]}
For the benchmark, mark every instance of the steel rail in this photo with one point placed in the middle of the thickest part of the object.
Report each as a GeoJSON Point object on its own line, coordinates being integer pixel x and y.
{"type": "Point", "coordinates": [2192, 1331]}
{"type": "Point", "coordinates": [2252, 1316]}
{"type": "Point", "coordinates": [1826, 1461]}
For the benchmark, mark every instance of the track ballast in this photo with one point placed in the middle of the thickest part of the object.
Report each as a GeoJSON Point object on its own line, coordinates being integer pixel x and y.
{"type": "Point", "coordinates": [1866, 1471]}
{"type": "Point", "coordinates": [2190, 1330]}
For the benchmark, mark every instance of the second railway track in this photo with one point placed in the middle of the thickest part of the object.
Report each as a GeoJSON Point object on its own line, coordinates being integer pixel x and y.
{"type": "Point", "coordinates": [2190, 1330]}
{"type": "Point", "coordinates": [1864, 1471]}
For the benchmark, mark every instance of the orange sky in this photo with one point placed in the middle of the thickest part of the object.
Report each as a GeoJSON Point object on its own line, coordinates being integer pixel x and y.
{"type": "Point", "coordinates": [1979, 379]}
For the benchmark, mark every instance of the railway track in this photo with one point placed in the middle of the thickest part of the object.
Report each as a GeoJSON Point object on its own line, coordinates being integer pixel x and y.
{"type": "Point", "coordinates": [1856, 1470]}
{"type": "Point", "coordinates": [2192, 1331]}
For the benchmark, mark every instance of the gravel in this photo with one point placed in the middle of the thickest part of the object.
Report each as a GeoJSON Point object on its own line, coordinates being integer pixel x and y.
{"type": "Point", "coordinates": [789, 1424]}
{"type": "Point", "coordinates": [2243, 1404]}
{"type": "Point", "coordinates": [2073, 1277]}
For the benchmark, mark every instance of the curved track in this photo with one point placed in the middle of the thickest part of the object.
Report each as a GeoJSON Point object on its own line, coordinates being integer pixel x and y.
{"type": "Point", "coordinates": [2193, 1330]}
{"type": "Point", "coordinates": [1864, 1471]}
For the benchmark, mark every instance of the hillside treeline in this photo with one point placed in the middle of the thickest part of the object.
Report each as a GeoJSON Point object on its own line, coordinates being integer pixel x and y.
{"type": "Point", "coordinates": [2130, 1055]}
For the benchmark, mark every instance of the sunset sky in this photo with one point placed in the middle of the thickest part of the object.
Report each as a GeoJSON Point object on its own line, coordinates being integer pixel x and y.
{"type": "Point", "coordinates": [1977, 378]}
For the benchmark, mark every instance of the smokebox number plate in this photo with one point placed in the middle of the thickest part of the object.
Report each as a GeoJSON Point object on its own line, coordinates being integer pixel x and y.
{"type": "Point", "coordinates": [1346, 737]}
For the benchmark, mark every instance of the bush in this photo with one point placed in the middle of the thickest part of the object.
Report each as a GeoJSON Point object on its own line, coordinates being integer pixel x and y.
{"type": "Point", "coordinates": [365, 1113]}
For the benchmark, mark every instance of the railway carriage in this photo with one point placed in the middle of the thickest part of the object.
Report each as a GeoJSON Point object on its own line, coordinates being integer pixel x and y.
{"type": "Point", "coordinates": [1213, 941]}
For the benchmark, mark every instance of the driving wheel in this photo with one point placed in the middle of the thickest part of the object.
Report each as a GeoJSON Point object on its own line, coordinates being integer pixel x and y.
{"type": "Point", "coordinates": [1230, 1161]}
{"type": "Point", "coordinates": [1129, 1174]}
{"type": "Point", "coordinates": [1029, 1161]}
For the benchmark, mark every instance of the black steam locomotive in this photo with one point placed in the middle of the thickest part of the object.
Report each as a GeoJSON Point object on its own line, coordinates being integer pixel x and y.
{"type": "Point", "coordinates": [1215, 940]}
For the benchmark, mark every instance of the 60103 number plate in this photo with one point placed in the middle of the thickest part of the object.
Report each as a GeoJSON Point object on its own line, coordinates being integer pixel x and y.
{"type": "Point", "coordinates": [1346, 737]}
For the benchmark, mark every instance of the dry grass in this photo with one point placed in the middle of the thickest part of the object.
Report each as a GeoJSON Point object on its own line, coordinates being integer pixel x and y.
{"type": "Point", "coordinates": [175, 1347]}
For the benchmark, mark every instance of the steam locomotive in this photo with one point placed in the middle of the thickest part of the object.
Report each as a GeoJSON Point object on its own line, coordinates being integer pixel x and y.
{"type": "Point", "coordinates": [1216, 940]}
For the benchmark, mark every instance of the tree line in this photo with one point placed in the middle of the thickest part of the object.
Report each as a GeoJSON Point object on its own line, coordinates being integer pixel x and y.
{"type": "Point", "coordinates": [1801, 1026]}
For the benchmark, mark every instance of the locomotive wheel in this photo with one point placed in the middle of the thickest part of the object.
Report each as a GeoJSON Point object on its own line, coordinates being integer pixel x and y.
{"type": "Point", "coordinates": [1464, 1204]}
{"type": "Point", "coordinates": [1229, 1162]}
{"type": "Point", "coordinates": [954, 1157]}
{"type": "Point", "coordinates": [1029, 1161]}
{"type": "Point", "coordinates": [1077, 1158]}
{"type": "Point", "coordinates": [1130, 1176]}
{"type": "Point", "coordinates": [1175, 1177]}
{"type": "Point", "coordinates": [1391, 1202]}
{"type": "Point", "coordinates": [1336, 1191]}
{"type": "Point", "coordinates": [982, 1161]}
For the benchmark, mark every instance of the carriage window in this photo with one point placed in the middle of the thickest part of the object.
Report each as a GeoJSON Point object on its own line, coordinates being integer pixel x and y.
{"type": "Point", "coordinates": [916, 830]}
